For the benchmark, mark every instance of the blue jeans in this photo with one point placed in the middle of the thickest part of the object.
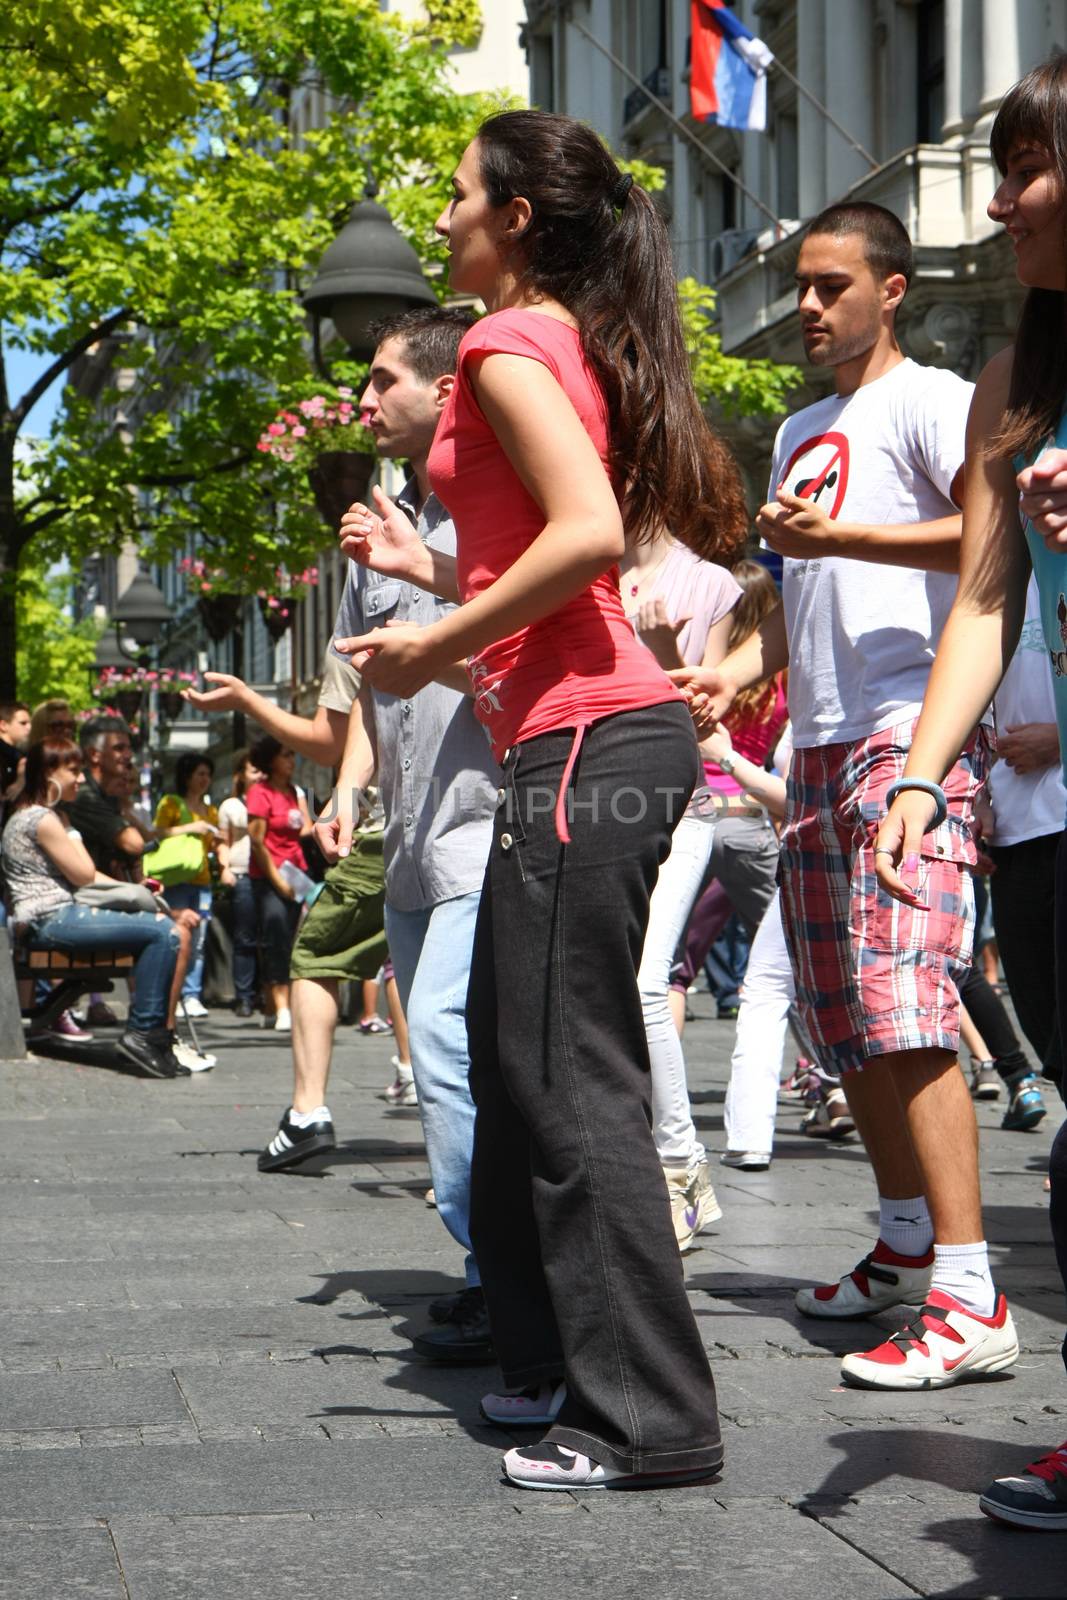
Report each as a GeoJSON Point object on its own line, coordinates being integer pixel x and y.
{"type": "Point", "coordinates": [153, 939]}
{"type": "Point", "coordinates": [193, 897]}
{"type": "Point", "coordinates": [431, 955]}
{"type": "Point", "coordinates": [245, 938]}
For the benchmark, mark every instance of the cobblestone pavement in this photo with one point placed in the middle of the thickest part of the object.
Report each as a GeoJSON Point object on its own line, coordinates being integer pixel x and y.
{"type": "Point", "coordinates": [207, 1389]}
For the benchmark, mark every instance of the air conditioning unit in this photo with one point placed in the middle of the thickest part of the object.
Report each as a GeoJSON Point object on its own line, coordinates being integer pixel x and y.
{"type": "Point", "coordinates": [728, 248]}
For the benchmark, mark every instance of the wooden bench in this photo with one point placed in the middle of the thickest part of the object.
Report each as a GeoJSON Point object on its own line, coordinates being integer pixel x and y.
{"type": "Point", "coordinates": [71, 976]}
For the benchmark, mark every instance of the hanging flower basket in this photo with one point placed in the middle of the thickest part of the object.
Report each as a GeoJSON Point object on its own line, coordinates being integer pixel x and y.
{"type": "Point", "coordinates": [128, 702]}
{"type": "Point", "coordinates": [337, 479]}
{"type": "Point", "coordinates": [219, 614]}
{"type": "Point", "coordinates": [172, 704]}
{"type": "Point", "coordinates": [277, 614]}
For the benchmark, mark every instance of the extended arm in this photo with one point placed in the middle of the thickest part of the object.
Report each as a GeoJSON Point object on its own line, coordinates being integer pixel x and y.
{"type": "Point", "coordinates": [759, 784]}
{"type": "Point", "coordinates": [336, 825]}
{"type": "Point", "coordinates": [711, 691]}
{"type": "Point", "coordinates": [980, 635]}
{"type": "Point", "coordinates": [321, 738]}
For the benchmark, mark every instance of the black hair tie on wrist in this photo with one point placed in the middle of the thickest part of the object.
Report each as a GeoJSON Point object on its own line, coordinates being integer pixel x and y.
{"type": "Point", "coordinates": [621, 189]}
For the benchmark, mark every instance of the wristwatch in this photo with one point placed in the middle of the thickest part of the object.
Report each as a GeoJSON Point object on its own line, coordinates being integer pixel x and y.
{"type": "Point", "coordinates": [726, 764]}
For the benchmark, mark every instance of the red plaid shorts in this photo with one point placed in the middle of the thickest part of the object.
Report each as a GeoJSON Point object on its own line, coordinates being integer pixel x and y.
{"type": "Point", "coordinates": [874, 976]}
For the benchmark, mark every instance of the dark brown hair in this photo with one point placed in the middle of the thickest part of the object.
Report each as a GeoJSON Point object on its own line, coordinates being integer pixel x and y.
{"type": "Point", "coordinates": [597, 244]}
{"type": "Point", "coordinates": [758, 598]}
{"type": "Point", "coordinates": [886, 243]}
{"type": "Point", "coordinates": [1035, 112]}
{"type": "Point", "coordinates": [430, 336]}
{"type": "Point", "coordinates": [42, 759]}
{"type": "Point", "coordinates": [242, 760]}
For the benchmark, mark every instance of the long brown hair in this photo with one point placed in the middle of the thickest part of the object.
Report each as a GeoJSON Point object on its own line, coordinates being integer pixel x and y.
{"type": "Point", "coordinates": [1035, 112]}
{"type": "Point", "coordinates": [759, 596]}
{"type": "Point", "coordinates": [597, 244]}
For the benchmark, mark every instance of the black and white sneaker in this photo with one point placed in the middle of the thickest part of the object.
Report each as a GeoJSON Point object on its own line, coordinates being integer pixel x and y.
{"type": "Point", "coordinates": [292, 1145]}
{"type": "Point", "coordinates": [151, 1053]}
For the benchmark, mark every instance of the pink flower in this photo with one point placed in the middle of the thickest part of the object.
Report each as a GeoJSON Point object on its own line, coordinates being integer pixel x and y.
{"type": "Point", "coordinates": [299, 431]}
{"type": "Point", "coordinates": [276, 429]}
{"type": "Point", "coordinates": [273, 602]}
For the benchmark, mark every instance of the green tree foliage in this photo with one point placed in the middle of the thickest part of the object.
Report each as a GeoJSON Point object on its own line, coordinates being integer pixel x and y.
{"type": "Point", "coordinates": [54, 655]}
{"type": "Point", "coordinates": [159, 204]}
{"type": "Point", "coordinates": [741, 387]}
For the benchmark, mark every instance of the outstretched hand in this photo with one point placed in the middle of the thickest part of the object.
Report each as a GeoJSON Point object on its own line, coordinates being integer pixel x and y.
{"type": "Point", "coordinates": [383, 540]}
{"type": "Point", "coordinates": [231, 694]}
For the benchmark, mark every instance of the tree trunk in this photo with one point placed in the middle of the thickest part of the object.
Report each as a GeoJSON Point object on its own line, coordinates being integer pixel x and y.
{"type": "Point", "coordinates": [12, 541]}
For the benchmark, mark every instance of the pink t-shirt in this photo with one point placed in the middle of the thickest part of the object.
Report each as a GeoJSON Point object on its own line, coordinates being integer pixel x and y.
{"type": "Point", "coordinates": [582, 661]}
{"type": "Point", "coordinates": [691, 587]}
{"type": "Point", "coordinates": [284, 822]}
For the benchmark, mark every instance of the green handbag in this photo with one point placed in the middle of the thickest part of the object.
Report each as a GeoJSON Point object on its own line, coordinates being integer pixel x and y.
{"type": "Point", "coordinates": [178, 859]}
{"type": "Point", "coordinates": [175, 860]}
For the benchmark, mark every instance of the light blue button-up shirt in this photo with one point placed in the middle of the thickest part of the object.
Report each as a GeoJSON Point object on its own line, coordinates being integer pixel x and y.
{"type": "Point", "coordinates": [436, 773]}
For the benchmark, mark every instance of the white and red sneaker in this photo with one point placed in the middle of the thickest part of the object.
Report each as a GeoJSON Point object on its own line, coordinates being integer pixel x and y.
{"type": "Point", "coordinates": [938, 1345]}
{"type": "Point", "coordinates": [882, 1280]}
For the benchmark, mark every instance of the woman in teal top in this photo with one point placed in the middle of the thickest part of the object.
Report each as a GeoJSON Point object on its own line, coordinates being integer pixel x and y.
{"type": "Point", "coordinates": [1014, 516]}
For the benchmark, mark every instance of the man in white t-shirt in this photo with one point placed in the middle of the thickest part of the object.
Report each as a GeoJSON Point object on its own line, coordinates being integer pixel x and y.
{"type": "Point", "coordinates": [864, 497]}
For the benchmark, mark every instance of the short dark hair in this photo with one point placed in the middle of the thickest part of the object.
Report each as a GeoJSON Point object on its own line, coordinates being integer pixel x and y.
{"type": "Point", "coordinates": [9, 707]}
{"type": "Point", "coordinates": [187, 764]}
{"type": "Point", "coordinates": [97, 729]}
{"type": "Point", "coordinates": [430, 336]}
{"type": "Point", "coordinates": [41, 761]}
{"type": "Point", "coordinates": [886, 242]}
{"type": "Point", "coordinates": [264, 751]}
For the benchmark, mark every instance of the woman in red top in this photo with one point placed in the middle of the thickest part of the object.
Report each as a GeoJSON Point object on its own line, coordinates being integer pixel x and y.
{"type": "Point", "coordinates": [278, 821]}
{"type": "Point", "coordinates": [575, 384]}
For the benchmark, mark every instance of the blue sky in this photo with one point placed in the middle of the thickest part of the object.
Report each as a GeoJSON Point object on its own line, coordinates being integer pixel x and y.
{"type": "Point", "coordinates": [23, 366]}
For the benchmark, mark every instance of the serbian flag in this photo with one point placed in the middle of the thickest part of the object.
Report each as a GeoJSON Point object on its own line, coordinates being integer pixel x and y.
{"type": "Point", "coordinates": [727, 69]}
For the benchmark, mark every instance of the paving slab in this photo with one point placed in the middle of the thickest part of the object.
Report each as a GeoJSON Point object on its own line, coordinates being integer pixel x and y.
{"type": "Point", "coordinates": [59, 1563]}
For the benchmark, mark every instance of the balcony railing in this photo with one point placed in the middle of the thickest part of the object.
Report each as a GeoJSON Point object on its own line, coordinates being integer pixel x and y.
{"type": "Point", "coordinates": [658, 82]}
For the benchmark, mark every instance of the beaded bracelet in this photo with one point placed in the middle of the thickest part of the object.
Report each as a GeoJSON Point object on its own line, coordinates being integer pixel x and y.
{"type": "Point", "coordinates": [934, 790]}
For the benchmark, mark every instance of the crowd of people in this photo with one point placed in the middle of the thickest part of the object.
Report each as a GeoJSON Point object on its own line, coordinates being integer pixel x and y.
{"type": "Point", "coordinates": [574, 728]}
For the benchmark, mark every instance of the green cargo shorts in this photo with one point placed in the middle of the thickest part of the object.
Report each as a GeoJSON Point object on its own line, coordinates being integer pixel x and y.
{"type": "Point", "coordinates": [343, 935]}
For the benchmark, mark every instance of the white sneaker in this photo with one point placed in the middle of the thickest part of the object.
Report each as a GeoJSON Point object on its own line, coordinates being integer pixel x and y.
{"type": "Point", "coordinates": [401, 1092]}
{"type": "Point", "coordinates": [283, 1021]}
{"type": "Point", "coordinates": [747, 1160]}
{"type": "Point", "coordinates": [694, 1206]}
{"type": "Point", "coordinates": [193, 1006]}
{"type": "Point", "coordinates": [553, 1466]}
{"type": "Point", "coordinates": [536, 1407]}
{"type": "Point", "coordinates": [881, 1280]}
{"type": "Point", "coordinates": [192, 1058]}
{"type": "Point", "coordinates": [938, 1345]}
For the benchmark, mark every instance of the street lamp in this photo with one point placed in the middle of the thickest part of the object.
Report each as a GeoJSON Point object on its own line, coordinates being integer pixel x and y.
{"type": "Point", "coordinates": [368, 272]}
{"type": "Point", "coordinates": [141, 610]}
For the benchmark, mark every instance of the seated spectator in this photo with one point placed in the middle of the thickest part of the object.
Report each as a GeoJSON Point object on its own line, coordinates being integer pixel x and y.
{"type": "Point", "coordinates": [46, 863]}
{"type": "Point", "coordinates": [52, 719]}
{"type": "Point", "coordinates": [277, 821]}
{"type": "Point", "coordinates": [188, 810]}
{"type": "Point", "coordinates": [233, 820]}
{"type": "Point", "coordinates": [116, 839]}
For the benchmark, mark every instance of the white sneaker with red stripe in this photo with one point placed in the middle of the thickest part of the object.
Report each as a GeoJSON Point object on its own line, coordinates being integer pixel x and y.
{"type": "Point", "coordinates": [938, 1345]}
{"type": "Point", "coordinates": [882, 1280]}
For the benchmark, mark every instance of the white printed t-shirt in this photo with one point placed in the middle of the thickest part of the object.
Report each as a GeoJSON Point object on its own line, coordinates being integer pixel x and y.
{"type": "Point", "coordinates": [1026, 805]}
{"type": "Point", "coordinates": [862, 636]}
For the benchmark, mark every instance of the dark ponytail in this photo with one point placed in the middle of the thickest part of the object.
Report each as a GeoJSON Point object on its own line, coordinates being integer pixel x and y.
{"type": "Point", "coordinates": [597, 244]}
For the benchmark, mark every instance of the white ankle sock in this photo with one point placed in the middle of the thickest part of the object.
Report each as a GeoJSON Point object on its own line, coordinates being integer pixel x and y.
{"type": "Point", "coordinates": [905, 1225]}
{"type": "Point", "coordinates": [304, 1119]}
{"type": "Point", "coordinates": [962, 1270]}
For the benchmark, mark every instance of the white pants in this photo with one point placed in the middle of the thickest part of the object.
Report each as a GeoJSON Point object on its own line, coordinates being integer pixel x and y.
{"type": "Point", "coordinates": [762, 1022]}
{"type": "Point", "coordinates": [680, 878]}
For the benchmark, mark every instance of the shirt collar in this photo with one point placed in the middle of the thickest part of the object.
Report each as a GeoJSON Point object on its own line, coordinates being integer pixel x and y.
{"type": "Point", "coordinates": [431, 512]}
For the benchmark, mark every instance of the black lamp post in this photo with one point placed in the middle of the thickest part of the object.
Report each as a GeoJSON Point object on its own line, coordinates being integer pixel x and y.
{"type": "Point", "coordinates": [142, 611]}
{"type": "Point", "coordinates": [369, 271]}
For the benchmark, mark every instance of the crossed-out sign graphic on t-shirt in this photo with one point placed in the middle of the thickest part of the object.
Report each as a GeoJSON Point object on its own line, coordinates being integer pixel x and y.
{"type": "Point", "coordinates": [818, 470]}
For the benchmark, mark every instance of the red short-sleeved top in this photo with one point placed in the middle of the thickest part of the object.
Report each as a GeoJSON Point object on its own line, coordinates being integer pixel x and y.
{"type": "Point", "coordinates": [284, 822]}
{"type": "Point", "coordinates": [583, 661]}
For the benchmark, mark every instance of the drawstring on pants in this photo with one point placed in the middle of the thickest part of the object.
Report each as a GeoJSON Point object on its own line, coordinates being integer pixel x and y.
{"type": "Point", "coordinates": [563, 832]}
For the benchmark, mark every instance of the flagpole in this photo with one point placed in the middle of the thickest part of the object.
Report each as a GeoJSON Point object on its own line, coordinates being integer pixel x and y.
{"type": "Point", "coordinates": [823, 111]}
{"type": "Point", "coordinates": [687, 133]}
